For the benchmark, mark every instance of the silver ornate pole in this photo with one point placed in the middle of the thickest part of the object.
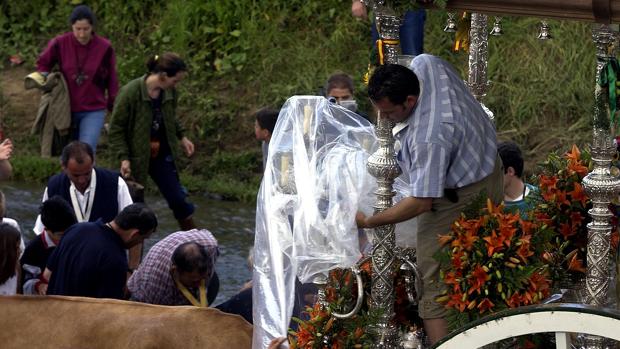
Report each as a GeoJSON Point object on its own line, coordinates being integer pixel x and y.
{"type": "Point", "coordinates": [600, 186]}
{"type": "Point", "coordinates": [478, 56]}
{"type": "Point", "coordinates": [383, 166]}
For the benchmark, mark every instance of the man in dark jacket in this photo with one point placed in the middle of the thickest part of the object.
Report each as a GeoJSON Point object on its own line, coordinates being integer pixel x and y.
{"type": "Point", "coordinates": [91, 259]}
{"type": "Point", "coordinates": [57, 216]}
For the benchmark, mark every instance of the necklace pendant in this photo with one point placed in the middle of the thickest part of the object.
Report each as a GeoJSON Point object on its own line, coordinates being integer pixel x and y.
{"type": "Point", "coordinates": [80, 78]}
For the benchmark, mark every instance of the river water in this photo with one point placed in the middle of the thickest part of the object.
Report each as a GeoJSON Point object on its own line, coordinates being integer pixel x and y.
{"type": "Point", "coordinates": [232, 223]}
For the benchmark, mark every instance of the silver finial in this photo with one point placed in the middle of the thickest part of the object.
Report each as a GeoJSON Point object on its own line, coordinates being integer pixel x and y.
{"type": "Point", "coordinates": [497, 27]}
{"type": "Point", "coordinates": [451, 23]}
{"type": "Point", "coordinates": [545, 31]}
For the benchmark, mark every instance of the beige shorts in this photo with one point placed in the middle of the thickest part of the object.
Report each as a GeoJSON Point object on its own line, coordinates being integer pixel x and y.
{"type": "Point", "coordinates": [438, 221]}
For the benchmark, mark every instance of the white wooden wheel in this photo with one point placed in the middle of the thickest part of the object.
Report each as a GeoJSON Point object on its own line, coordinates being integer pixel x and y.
{"type": "Point", "coordinates": [559, 318]}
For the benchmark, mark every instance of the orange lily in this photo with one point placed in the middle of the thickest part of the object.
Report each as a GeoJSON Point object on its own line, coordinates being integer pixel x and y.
{"type": "Point", "coordinates": [547, 183]}
{"type": "Point", "coordinates": [574, 154]}
{"type": "Point", "coordinates": [527, 226]}
{"type": "Point", "coordinates": [478, 279]}
{"type": "Point", "coordinates": [524, 251]}
{"type": "Point", "coordinates": [566, 231]}
{"type": "Point", "coordinates": [495, 243]}
{"type": "Point", "coordinates": [444, 239]}
{"type": "Point", "coordinates": [578, 168]}
{"type": "Point", "coordinates": [578, 194]}
{"type": "Point", "coordinates": [515, 300]}
{"type": "Point", "coordinates": [576, 264]}
{"type": "Point", "coordinates": [466, 240]}
{"type": "Point", "coordinates": [456, 302]}
{"type": "Point", "coordinates": [451, 278]}
{"type": "Point", "coordinates": [485, 305]}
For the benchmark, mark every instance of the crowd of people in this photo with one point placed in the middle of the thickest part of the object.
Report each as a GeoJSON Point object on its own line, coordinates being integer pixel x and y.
{"type": "Point", "coordinates": [90, 230]}
{"type": "Point", "coordinates": [92, 223]}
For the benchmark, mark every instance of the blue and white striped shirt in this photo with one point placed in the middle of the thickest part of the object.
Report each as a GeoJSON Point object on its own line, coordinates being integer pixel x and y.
{"type": "Point", "coordinates": [448, 141]}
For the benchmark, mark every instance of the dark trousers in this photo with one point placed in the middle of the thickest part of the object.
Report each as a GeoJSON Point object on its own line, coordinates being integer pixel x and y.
{"type": "Point", "coordinates": [411, 32]}
{"type": "Point", "coordinates": [164, 173]}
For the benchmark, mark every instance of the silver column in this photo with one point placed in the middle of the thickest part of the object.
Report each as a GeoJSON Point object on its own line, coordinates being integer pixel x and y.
{"type": "Point", "coordinates": [383, 166]}
{"type": "Point", "coordinates": [478, 56]}
{"type": "Point", "coordinates": [600, 186]}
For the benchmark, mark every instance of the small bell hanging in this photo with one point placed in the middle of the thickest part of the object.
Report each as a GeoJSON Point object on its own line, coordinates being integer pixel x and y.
{"type": "Point", "coordinates": [497, 27]}
{"type": "Point", "coordinates": [545, 31]}
{"type": "Point", "coordinates": [451, 23]}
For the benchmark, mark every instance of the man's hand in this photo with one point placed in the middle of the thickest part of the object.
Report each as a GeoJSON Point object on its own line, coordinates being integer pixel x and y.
{"type": "Point", "coordinates": [125, 168]}
{"type": "Point", "coordinates": [275, 344]}
{"type": "Point", "coordinates": [359, 10]}
{"type": "Point", "coordinates": [360, 220]}
{"type": "Point", "coordinates": [188, 146]}
{"type": "Point", "coordinates": [42, 289]}
{"type": "Point", "coordinates": [6, 149]}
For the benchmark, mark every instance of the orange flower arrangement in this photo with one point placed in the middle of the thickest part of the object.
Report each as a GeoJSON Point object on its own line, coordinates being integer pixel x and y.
{"type": "Point", "coordinates": [490, 263]}
{"type": "Point", "coordinates": [563, 207]}
{"type": "Point", "coordinates": [322, 330]}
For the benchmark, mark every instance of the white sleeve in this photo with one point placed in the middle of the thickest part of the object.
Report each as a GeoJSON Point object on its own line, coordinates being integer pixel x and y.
{"type": "Point", "coordinates": [38, 225]}
{"type": "Point", "coordinates": [123, 196]}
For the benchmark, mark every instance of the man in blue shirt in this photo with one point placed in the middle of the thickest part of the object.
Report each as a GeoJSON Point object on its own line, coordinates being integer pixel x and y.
{"type": "Point", "coordinates": [91, 260]}
{"type": "Point", "coordinates": [448, 155]}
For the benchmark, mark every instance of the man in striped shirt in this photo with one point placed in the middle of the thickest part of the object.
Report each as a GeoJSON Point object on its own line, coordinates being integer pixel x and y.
{"type": "Point", "coordinates": [448, 154]}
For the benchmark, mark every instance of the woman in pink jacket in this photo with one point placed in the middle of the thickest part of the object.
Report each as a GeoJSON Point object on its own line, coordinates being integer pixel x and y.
{"type": "Point", "coordinates": [88, 64]}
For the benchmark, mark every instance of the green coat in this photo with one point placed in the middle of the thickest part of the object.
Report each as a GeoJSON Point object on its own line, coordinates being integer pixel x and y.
{"type": "Point", "coordinates": [130, 126]}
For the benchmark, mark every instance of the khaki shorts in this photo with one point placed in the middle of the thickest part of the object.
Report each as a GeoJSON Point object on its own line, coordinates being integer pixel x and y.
{"type": "Point", "coordinates": [438, 221]}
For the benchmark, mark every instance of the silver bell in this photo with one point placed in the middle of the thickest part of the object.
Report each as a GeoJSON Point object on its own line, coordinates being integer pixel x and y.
{"type": "Point", "coordinates": [497, 27]}
{"type": "Point", "coordinates": [451, 23]}
{"type": "Point", "coordinates": [545, 31]}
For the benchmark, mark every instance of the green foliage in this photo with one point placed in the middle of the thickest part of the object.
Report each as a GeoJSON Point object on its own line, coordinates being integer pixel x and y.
{"type": "Point", "coordinates": [535, 85]}
{"type": "Point", "coordinates": [31, 168]}
{"type": "Point", "coordinates": [232, 189]}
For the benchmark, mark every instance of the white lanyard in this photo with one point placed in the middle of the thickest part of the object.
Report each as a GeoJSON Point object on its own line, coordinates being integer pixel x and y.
{"type": "Point", "coordinates": [81, 214]}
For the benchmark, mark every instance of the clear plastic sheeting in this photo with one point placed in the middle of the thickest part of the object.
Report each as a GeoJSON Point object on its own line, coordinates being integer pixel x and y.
{"type": "Point", "coordinates": [314, 183]}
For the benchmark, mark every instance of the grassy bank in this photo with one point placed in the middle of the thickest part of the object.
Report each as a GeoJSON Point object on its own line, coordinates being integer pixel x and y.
{"type": "Point", "coordinates": [246, 54]}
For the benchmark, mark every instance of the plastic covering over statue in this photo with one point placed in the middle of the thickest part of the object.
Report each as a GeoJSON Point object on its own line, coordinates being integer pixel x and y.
{"type": "Point", "coordinates": [315, 181]}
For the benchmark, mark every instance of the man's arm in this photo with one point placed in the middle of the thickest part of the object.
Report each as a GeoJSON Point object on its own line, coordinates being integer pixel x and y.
{"type": "Point", "coordinates": [405, 209]}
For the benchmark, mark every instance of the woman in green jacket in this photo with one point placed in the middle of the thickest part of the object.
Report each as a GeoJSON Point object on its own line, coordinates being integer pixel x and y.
{"type": "Point", "coordinates": [145, 133]}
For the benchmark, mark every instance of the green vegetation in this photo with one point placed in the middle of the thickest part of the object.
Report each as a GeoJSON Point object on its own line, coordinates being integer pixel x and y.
{"type": "Point", "coordinates": [246, 54]}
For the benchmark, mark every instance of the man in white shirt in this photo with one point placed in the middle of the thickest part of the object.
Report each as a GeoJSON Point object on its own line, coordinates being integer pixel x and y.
{"type": "Point", "coordinates": [92, 192]}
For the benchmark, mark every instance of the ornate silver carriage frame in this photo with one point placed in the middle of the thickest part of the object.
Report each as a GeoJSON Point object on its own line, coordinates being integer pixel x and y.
{"type": "Point", "coordinates": [593, 319]}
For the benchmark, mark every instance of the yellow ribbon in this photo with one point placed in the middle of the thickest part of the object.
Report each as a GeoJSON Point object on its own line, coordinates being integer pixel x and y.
{"type": "Point", "coordinates": [461, 37]}
{"type": "Point", "coordinates": [380, 44]}
{"type": "Point", "coordinates": [202, 290]}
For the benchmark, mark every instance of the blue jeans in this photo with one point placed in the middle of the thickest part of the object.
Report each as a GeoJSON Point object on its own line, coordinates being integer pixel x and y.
{"type": "Point", "coordinates": [411, 33]}
{"type": "Point", "coordinates": [87, 126]}
{"type": "Point", "coordinates": [164, 173]}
